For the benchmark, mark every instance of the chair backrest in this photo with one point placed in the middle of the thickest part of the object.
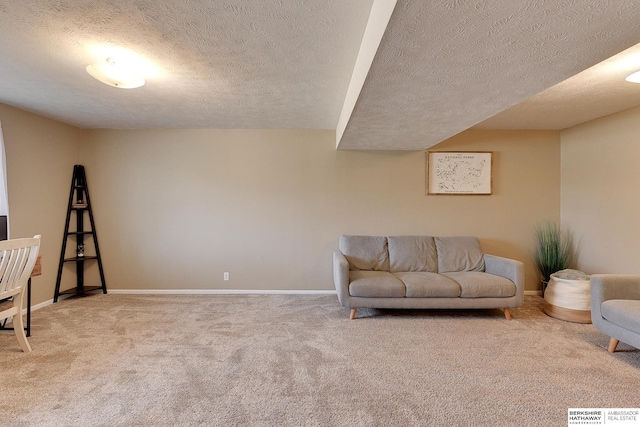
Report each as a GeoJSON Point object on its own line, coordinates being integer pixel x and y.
{"type": "Point", "coordinates": [17, 259]}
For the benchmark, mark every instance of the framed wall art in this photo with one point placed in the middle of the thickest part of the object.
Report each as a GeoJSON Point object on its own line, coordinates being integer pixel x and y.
{"type": "Point", "coordinates": [459, 172]}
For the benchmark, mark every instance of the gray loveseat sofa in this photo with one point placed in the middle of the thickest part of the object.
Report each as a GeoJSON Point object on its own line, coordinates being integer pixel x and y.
{"type": "Point", "coordinates": [424, 272]}
{"type": "Point", "coordinates": [615, 307]}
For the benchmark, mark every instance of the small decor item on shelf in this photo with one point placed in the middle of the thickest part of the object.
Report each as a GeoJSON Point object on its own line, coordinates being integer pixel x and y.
{"type": "Point", "coordinates": [79, 204]}
{"type": "Point", "coordinates": [80, 250]}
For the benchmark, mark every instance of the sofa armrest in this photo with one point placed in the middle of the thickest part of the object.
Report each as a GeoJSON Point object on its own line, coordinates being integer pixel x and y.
{"type": "Point", "coordinates": [341, 277]}
{"type": "Point", "coordinates": [509, 269]}
{"type": "Point", "coordinates": [612, 286]}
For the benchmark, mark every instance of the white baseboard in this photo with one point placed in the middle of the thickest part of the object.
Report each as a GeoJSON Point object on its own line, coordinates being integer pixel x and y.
{"type": "Point", "coordinates": [42, 304]}
{"type": "Point", "coordinates": [217, 292]}
{"type": "Point", "coordinates": [38, 306]}
{"type": "Point", "coordinates": [234, 292]}
{"type": "Point", "coordinates": [537, 293]}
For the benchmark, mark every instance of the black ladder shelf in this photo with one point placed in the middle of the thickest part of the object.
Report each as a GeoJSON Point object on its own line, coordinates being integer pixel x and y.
{"type": "Point", "coordinates": [79, 202]}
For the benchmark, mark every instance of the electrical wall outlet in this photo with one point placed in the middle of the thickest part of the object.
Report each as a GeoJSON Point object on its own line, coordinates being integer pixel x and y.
{"type": "Point", "coordinates": [226, 275]}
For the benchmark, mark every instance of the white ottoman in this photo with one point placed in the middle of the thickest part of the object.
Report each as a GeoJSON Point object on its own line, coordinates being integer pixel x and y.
{"type": "Point", "coordinates": [568, 296]}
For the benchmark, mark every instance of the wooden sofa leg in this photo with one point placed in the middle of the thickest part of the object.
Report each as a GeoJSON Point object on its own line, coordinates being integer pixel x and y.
{"type": "Point", "coordinates": [613, 343]}
{"type": "Point", "coordinates": [507, 314]}
{"type": "Point", "coordinates": [353, 313]}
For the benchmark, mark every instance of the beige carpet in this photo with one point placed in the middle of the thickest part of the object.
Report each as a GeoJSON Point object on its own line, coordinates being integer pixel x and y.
{"type": "Point", "coordinates": [266, 360]}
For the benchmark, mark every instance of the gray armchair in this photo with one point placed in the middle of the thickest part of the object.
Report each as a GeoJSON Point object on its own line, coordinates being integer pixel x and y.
{"type": "Point", "coordinates": [615, 307]}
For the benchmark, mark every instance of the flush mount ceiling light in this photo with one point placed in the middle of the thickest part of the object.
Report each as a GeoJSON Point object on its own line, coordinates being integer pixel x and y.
{"type": "Point", "coordinates": [115, 74]}
{"type": "Point", "coordinates": [634, 78]}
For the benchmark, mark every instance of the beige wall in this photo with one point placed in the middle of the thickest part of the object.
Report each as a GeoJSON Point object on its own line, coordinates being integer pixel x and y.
{"type": "Point", "coordinates": [600, 204]}
{"type": "Point", "coordinates": [526, 190]}
{"type": "Point", "coordinates": [40, 157]}
{"type": "Point", "coordinates": [177, 208]}
{"type": "Point", "coordinates": [268, 206]}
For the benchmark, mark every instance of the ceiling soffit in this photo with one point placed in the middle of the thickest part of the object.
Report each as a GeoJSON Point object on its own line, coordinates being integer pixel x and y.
{"type": "Point", "coordinates": [596, 92]}
{"type": "Point", "coordinates": [443, 67]}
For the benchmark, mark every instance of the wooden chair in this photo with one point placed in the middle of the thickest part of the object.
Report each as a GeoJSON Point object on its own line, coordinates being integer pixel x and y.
{"type": "Point", "coordinates": [17, 259]}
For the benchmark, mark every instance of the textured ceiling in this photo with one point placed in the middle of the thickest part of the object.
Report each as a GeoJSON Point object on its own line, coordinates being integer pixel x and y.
{"type": "Point", "coordinates": [444, 66]}
{"type": "Point", "coordinates": [219, 64]}
{"type": "Point", "coordinates": [596, 92]}
{"type": "Point", "coordinates": [441, 66]}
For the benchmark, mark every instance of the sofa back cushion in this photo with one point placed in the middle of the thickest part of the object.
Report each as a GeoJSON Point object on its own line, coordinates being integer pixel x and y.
{"type": "Point", "coordinates": [412, 253]}
{"type": "Point", "coordinates": [459, 253]}
{"type": "Point", "coordinates": [365, 252]}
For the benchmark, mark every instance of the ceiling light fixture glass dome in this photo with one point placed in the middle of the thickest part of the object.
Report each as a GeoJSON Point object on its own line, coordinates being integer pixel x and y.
{"type": "Point", "coordinates": [634, 78]}
{"type": "Point", "coordinates": [115, 74]}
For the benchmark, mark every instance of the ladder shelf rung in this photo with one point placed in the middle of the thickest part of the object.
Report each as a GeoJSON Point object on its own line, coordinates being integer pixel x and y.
{"type": "Point", "coordinates": [77, 291]}
{"type": "Point", "coordinates": [79, 258]}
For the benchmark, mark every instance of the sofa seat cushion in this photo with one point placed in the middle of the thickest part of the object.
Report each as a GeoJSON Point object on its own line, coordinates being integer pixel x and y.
{"type": "Point", "coordinates": [412, 253]}
{"type": "Point", "coordinates": [428, 285]}
{"type": "Point", "coordinates": [474, 284]}
{"type": "Point", "coordinates": [622, 312]}
{"type": "Point", "coordinates": [375, 284]}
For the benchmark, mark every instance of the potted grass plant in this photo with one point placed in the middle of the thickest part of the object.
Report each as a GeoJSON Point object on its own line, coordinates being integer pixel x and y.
{"type": "Point", "coordinates": [554, 250]}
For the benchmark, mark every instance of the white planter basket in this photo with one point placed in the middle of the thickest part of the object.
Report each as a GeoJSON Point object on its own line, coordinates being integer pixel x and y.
{"type": "Point", "coordinates": [567, 298]}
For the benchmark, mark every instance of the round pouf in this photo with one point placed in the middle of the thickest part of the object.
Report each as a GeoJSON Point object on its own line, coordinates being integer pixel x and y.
{"type": "Point", "coordinates": [568, 296]}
